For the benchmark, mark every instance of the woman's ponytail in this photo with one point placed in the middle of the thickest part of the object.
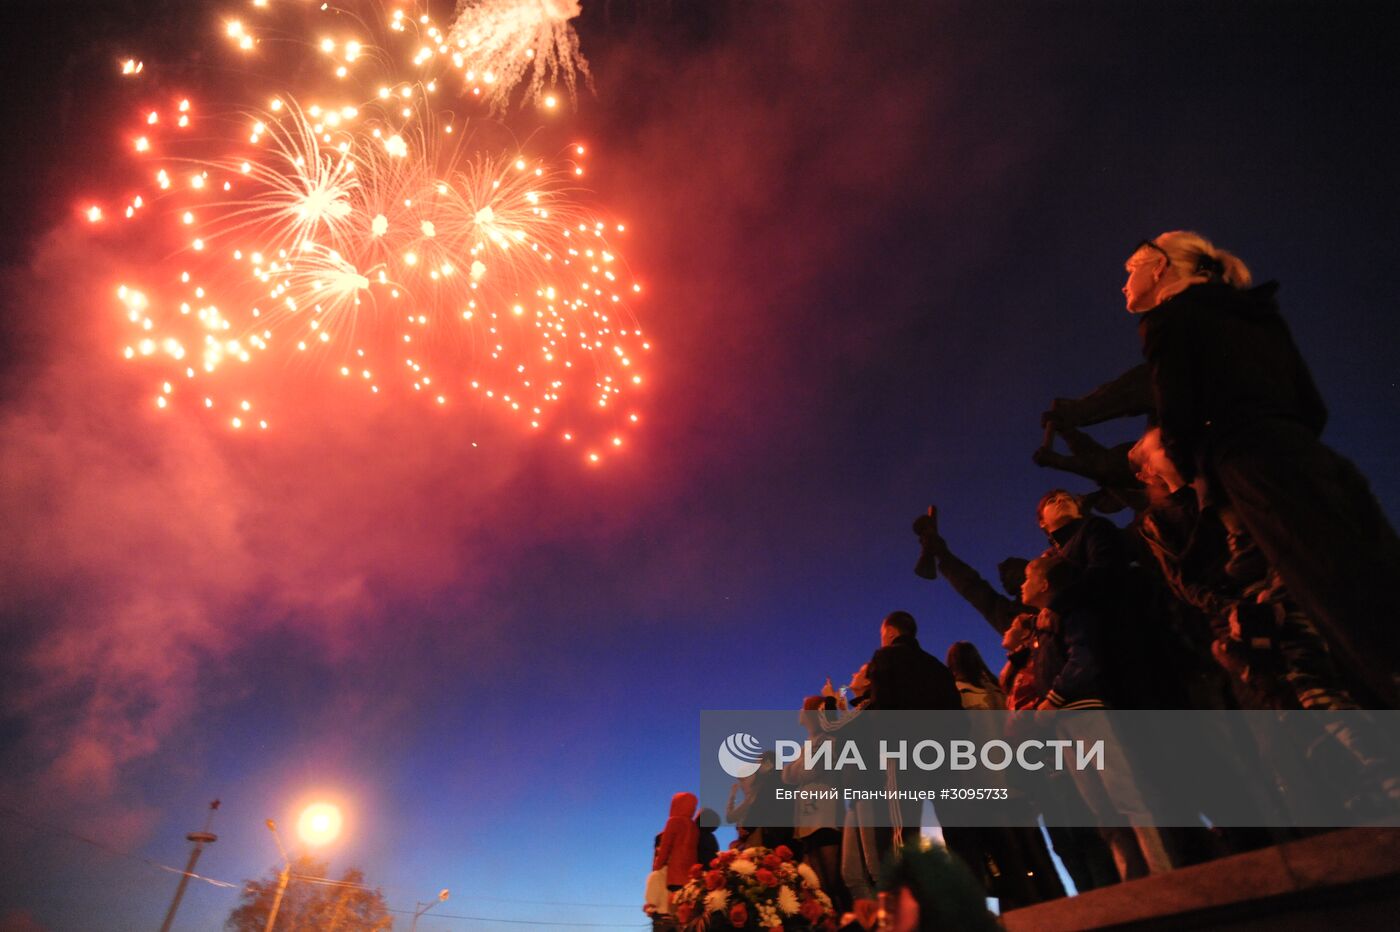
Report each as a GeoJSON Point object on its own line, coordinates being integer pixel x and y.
{"type": "Point", "coordinates": [1195, 259]}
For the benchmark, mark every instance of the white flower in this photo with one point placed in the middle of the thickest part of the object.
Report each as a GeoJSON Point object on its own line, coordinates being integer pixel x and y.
{"type": "Point", "coordinates": [787, 901]}
{"type": "Point", "coordinates": [742, 866]}
{"type": "Point", "coordinates": [809, 876]}
{"type": "Point", "coordinates": [717, 900]}
{"type": "Point", "coordinates": [752, 853]}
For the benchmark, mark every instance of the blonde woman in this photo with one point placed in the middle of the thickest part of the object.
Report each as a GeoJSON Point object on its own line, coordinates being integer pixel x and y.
{"type": "Point", "coordinates": [1241, 417]}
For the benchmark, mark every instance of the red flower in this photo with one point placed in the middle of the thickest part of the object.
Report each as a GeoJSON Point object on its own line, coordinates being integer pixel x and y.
{"type": "Point", "coordinates": [684, 912]}
{"type": "Point", "coordinates": [766, 877]}
{"type": "Point", "coordinates": [811, 909]}
{"type": "Point", "coordinates": [695, 871]}
{"type": "Point", "coordinates": [772, 862]}
{"type": "Point", "coordinates": [739, 915]}
{"type": "Point", "coordinates": [783, 852]}
{"type": "Point", "coordinates": [714, 880]}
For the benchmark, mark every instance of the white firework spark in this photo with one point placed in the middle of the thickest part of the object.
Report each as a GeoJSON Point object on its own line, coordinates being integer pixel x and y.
{"type": "Point", "coordinates": [497, 43]}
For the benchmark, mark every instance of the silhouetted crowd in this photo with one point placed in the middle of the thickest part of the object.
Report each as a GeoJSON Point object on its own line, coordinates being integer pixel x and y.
{"type": "Point", "coordinates": [1252, 570]}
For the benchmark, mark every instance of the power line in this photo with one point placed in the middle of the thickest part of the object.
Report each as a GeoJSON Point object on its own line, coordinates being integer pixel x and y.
{"type": "Point", "coordinates": [532, 922]}
{"type": "Point", "coordinates": [505, 899]}
{"type": "Point", "coordinates": [326, 881]}
{"type": "Point", "coordinates": [67, 833]}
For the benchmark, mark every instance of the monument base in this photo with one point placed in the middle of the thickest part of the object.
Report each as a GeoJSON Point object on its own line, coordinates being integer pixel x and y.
{"type": "Point", "coordinates": [1347, 879]}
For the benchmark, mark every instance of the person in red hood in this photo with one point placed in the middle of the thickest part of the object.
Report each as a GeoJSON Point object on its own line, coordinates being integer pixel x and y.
{"type": "Point", "coordinates": [676, 850]}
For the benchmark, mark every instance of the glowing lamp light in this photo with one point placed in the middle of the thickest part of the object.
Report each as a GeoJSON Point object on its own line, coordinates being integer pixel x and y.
{"type": "Point", "coordinates": [319, 823]}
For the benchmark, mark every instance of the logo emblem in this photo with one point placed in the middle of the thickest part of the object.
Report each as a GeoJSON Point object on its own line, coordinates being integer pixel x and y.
{"type": "Point", "coordinates": [739, 754]}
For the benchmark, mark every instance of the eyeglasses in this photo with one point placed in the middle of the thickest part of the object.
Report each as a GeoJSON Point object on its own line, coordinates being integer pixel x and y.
{"type": "Point", "coordinates": [1148, 244]}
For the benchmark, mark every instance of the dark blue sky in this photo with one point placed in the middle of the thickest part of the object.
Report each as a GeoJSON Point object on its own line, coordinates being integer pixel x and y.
{"type": "Point", "coordinates": [877, 240]}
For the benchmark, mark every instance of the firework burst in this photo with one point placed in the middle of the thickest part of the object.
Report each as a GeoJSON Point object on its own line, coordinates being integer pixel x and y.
{"type": "Point", "coordinates": [372, 241]}
{"type": "Point", "coordinates": [496, 43]}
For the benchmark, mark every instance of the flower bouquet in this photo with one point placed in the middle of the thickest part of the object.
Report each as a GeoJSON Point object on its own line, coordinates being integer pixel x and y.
{"type": "Point", "coordinates": [753, 889]}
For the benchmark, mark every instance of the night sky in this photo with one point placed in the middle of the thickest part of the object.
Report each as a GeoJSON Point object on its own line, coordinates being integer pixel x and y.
{"type": "Point", "coordinates": [876, 239]}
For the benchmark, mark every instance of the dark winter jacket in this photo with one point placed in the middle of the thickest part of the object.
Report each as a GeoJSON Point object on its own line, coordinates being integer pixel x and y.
{"type": "Point", "coordinates": [708, 845]}
{"type": "Point", "coordinates": [1067, 658]}
{"type": "Point", "coordinates": [1189, 547]}
{"type": "Point", "coordinates": [1129, 395]}
{"type": "Point", "coordinates": [767, 810]}
{"type": "Point", "coordinates": [1222, 359]}
{"type": "Point", "coordinates": [905, 676]}
{"type": "Point", "coordinates": [1095, 547]}
{"type": "Point", "coordinates": [1123, 605]}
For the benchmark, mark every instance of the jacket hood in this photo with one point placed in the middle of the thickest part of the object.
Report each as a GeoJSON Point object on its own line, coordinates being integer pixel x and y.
{"type": "Point", "coordinates": [683, 805]}
{"type": "Point", "coordinates": [1254, 303]}
{"type": "Point", "coordinates": [1258, 302]}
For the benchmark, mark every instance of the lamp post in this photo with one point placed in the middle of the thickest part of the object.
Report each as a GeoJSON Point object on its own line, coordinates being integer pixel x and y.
{"type": "Point", "coordinates": [421, 908]}
{"type": "Point", "coordinates": [282, 878]}
{"type": "Point", "coordinates": [200, 839]}
{"type": "Point", "coordinates": [318, 824]}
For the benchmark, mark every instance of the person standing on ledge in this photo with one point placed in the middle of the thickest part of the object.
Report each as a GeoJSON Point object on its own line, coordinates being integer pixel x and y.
{"type": "Point", "coordinates": [903, 675]}
{"type": "Point", "coordinates": [1241, 419]}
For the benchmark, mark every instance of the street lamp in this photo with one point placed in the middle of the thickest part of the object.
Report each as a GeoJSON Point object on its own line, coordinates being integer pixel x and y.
{"type": "Point", "coordinates": [282, 878]}
{"type": "Point", "coordinates": [318, 824]}
{"type": "Point", "coordinates": [421, 908]}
